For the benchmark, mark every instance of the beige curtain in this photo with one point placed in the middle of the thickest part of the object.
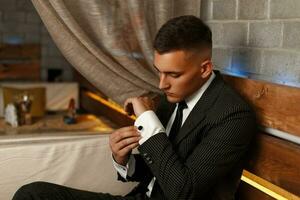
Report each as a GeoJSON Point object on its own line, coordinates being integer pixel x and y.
{"type": "Point", "coordinates": [110, 41]}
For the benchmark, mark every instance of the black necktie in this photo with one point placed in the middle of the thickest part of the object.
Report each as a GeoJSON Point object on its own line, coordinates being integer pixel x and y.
{"type": "Point", "coordinates": [178, 120]}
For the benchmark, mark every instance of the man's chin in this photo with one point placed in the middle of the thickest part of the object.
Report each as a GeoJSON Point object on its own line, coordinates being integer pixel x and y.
{"type": "Point", "coordinates": [173, 99]}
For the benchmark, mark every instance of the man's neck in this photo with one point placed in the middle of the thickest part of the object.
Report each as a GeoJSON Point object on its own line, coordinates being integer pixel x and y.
{"type": "Point", "coordinates": [193, 99]}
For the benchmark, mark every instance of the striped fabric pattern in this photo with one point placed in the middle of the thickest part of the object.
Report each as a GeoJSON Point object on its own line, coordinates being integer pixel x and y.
{"type": "Point", "coordinates": [205, 161]}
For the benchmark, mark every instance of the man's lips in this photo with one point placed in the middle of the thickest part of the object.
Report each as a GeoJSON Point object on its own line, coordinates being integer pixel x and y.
{"type": "Point", "coordinates": [170, 94]}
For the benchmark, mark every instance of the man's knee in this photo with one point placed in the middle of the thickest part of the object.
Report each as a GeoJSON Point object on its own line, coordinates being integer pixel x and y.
{"type": "Point", "coordinates": [29, 191]}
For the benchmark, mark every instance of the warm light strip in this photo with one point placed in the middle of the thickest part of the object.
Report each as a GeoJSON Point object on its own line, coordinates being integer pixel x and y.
{"type": "Point", "coordinates": [107, 103]}
{"type": "Point", "coordinates": [267, 187]}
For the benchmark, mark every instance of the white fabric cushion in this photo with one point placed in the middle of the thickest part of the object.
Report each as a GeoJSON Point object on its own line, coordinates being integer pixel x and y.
{"type": "Point", "coordinates": [80, 161]}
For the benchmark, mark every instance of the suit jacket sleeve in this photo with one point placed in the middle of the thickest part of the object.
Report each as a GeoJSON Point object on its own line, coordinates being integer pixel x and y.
{"type": "Point", "coordinates": [142, 171]}
{"type": "Point", "coordinates": [216, 154]}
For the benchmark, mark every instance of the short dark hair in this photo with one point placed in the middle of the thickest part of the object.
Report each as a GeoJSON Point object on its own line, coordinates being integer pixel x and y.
{"type": "Point", "coordinates": [183, 33]}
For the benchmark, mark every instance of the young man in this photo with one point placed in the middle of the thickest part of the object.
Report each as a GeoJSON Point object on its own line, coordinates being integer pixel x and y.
{"type": "Point", "coordinates": [193, 146]}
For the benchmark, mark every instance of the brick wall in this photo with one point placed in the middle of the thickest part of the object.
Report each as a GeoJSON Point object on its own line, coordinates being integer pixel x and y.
{"type": "Point", "coordinates": [256, 38]}
{"type": "Point", "coordinates": [20, 23]}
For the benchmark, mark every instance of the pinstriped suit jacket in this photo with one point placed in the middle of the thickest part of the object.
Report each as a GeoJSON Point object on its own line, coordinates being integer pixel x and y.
{"type": "Point", "coordinates": [206, 159]}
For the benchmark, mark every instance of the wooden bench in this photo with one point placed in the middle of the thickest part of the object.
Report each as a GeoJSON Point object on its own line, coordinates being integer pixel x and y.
{"type": "Point", "coordinates": [273, 169]}
{"type": "Point", "coordinates": [20, 62]}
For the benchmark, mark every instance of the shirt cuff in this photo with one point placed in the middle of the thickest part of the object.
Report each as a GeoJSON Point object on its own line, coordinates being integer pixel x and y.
{"type": "Point", "coordinates": [127, 170]}
{"type": "Point", "coordinates": [148, 124]}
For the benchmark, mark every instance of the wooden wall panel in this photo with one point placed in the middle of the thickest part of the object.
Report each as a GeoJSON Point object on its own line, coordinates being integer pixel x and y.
{"type": "Point", "coordinates": [276, 161]}
{"type": "Point", "coordinates": [247, 192]}
{"type": "Point", "coordinates": [20, 62]}
{"type": "Point", "coordinates": [277, 106]}
{"type": "Point", "coordinates": [21, 71]}
{"type": "Point", "coordinates": [271, 158]}
{"type": "Point", "coordinates": [24, 51]}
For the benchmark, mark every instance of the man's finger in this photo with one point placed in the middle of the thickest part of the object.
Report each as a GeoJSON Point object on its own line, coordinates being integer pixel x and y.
{"type": "Point", "coordinates": [120, 135]}
{"type": "Point", "coordinates": [126, 142]}
{"type": "Point", "coordinates": [121, 130]}
{"type": "Point", "coordinates": [127, 149]}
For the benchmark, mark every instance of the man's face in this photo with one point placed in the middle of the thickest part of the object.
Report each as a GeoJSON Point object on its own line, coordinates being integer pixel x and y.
{"type": "Point", "coordinates": [181, 74]}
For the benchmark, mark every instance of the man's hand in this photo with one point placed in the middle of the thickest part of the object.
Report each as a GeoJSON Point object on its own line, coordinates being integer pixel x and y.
{"type": "Point", "coordinates": [122, 141]}
{"type": "Point", "coordinates": [138, 105]}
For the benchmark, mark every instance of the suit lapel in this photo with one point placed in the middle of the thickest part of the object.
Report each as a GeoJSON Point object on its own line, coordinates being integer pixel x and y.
{"type": "Point", "coordinates": [202, 106]}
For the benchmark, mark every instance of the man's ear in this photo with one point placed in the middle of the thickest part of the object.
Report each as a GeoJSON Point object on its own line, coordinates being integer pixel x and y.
{"type": "Point", "coordinates": [206, 68]}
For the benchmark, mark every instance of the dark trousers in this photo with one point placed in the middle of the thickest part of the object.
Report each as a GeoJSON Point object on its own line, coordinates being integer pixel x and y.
{"type": "Point", "coordinates": [50, 191]}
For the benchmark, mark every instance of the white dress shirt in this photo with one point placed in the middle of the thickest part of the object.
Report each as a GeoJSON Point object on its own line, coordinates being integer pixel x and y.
{"type": "Point", "coordinates": [151, 126]}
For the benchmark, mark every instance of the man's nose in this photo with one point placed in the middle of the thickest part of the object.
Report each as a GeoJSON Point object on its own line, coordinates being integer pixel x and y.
{"type": "Point", "coordinates": [163, 83]}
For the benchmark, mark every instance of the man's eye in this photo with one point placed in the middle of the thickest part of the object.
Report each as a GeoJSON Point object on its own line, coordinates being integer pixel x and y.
{"type": "Point", "coordinates": [175, 75]}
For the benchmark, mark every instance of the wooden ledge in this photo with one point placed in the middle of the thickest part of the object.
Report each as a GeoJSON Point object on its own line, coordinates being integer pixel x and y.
{"type": "Point", "coordinates": [267, 187]}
